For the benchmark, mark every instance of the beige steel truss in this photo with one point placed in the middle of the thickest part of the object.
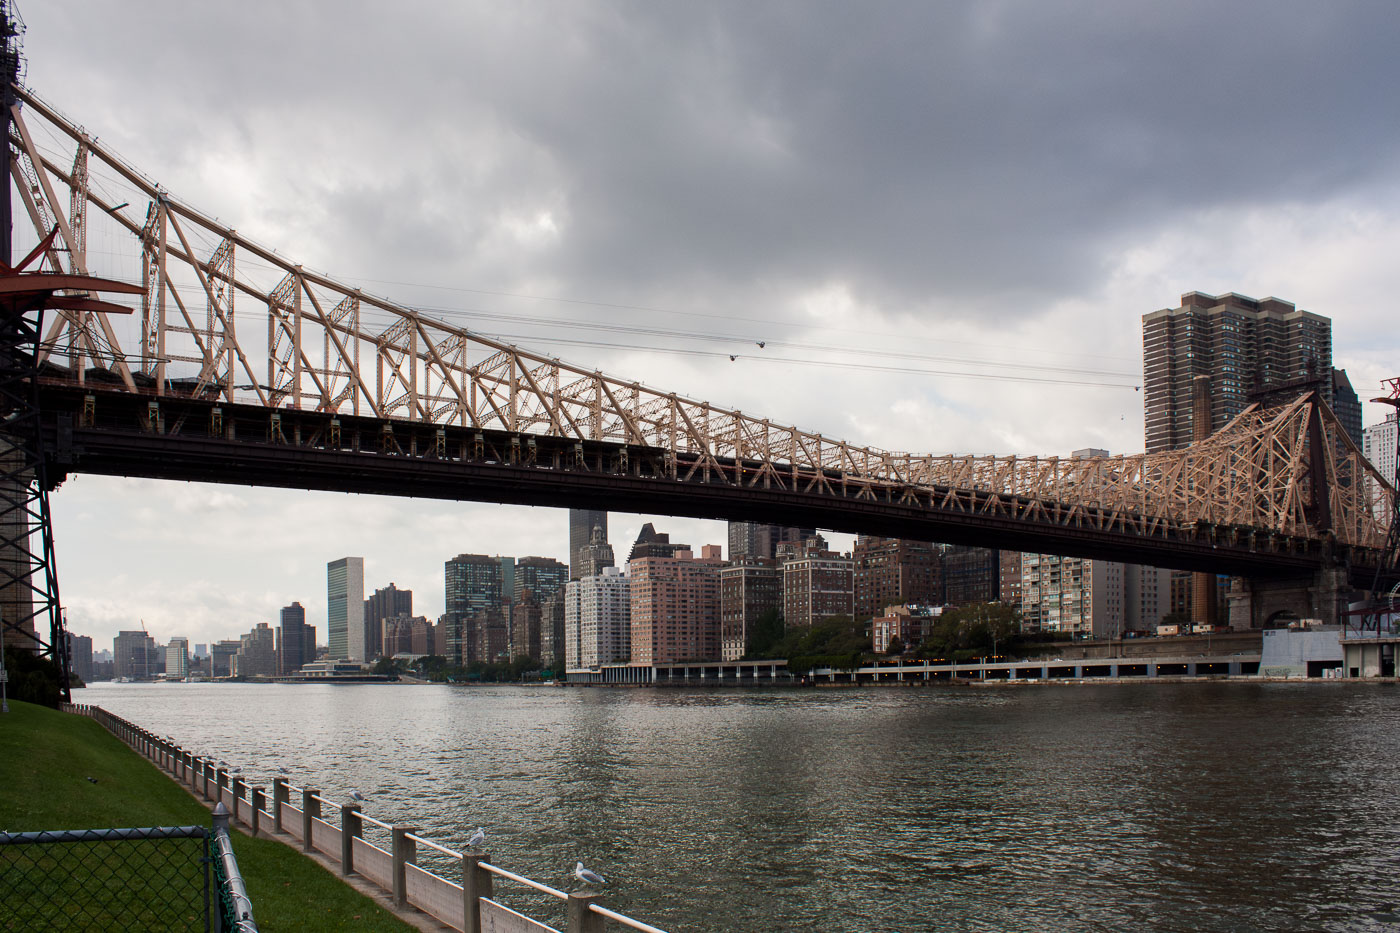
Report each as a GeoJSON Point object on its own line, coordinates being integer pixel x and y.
{"type": "Point", "coordinates": [1289, 471]}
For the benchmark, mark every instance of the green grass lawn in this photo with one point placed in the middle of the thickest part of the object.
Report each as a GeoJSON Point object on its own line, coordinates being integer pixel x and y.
{"type": "Point", "coordinates": [46, 759]}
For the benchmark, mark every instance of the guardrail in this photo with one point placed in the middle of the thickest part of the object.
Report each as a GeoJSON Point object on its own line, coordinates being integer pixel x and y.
{"type": "Point", "coordinates": [336, 830]}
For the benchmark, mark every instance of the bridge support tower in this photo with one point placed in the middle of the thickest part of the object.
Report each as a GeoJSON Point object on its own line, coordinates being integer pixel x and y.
{"type": "Point", "coordinates": [1257, 604]}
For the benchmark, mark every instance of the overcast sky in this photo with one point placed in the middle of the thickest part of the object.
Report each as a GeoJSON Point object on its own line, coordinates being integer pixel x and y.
{"type": "Point", "coordinates": [989, 187]}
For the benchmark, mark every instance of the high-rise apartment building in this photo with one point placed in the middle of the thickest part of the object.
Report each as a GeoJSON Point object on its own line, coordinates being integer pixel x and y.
{"type": "Point", "coordinates": [1091, 598]}
{"type": "Point", "coordinates": [538, 578]}
{"type": "Point", "coordinates": [345, 609]}
{"type": "Point", "coordinates": [653, 543]}
{"type": "Point", "coordinates": [1378, 444]}
{"type": "Point", "coordinates": [1243, 345]}
{"type": "Point", "coordinates": [80, 656]}
{"type": "Point", "coordinates": [257, 652]}
{"type": "Point", "coordinates": [895, 572]}
{"type": "Point", "coordinates": [388, 602]}
{"type": "Point", "coordinates": [748, 587]}
{"type": "Point", "coordinates": [1346, 405]}
{"type": "Point", "coordinates": [296, 641]}
{"type": "Point", "coordinates": [552, 632]}
{"type": "Point", "coordinates": [177, 658]}
{"type": "Point", "coordinates": [1009, 569]}
{"type": "Point", "coordinates": [598, 620]}
{"type": "Point", "coordinates": [525, 617]}
{"type": "Point", "coordinates": [582, 522]}
{"type": "Point", "coordinates": [475, 583]}
{"type": "Point", "coordinates": [675, 606]}
{"type": "Point", "coordinates": [818, 584]}
{"type": "Point", "coordinates": [134, 656]}
{"type": "Point", "coordinates": [754, 539]}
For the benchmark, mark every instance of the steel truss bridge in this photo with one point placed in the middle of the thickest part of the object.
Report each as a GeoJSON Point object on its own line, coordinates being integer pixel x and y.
{"type": "Point", "coordinates": [236, 365]}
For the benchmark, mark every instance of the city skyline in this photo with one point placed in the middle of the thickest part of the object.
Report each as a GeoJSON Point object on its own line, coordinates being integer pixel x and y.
{"type": "Point", "coordinates": [963, 252]}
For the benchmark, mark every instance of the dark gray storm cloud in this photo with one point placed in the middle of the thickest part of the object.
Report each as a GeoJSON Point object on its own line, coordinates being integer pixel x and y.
{"type": "Point", "coordinates": [980, 153]}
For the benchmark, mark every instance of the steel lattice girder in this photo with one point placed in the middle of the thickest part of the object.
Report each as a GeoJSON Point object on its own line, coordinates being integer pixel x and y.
{"type": "Point", "coordinates": [301, 340]}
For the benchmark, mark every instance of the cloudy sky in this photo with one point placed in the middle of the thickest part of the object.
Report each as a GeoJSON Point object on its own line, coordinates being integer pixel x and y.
{"type": "Point", "coordinates": [944, 221]}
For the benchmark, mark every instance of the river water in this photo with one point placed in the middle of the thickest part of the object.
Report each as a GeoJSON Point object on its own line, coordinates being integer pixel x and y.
{"type": "Point", "coordinates": [1139, 807]}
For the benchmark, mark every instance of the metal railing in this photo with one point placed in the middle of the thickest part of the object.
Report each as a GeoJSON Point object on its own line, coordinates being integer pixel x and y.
{"type": "Point", "coordinates": [336, 830]}
{"type": "Point", "coordinates": [140, 878]}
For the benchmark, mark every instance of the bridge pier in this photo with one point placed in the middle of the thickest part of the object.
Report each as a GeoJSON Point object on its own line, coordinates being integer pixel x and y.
{"type": "Point", "coordinates": [1257, 604]}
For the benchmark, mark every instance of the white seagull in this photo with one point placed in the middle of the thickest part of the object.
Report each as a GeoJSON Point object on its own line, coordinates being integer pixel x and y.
{"type": "Point", "coordinates": [477, 840]}
{"type": "Point", "coordinates": [590, 878]}
{"type": "Point", "coordinates": [356, 795]}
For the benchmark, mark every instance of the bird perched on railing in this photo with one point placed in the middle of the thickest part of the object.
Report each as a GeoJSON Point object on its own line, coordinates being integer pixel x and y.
{"type": "Point", "coordinates": [590, 878]}
{"type": "Point", "coordinates": [356, 795]}
{"type": "Point", "coordinates": [477, 840]}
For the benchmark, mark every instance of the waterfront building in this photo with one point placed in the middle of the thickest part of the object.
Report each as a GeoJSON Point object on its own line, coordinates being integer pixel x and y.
{"type": "Point", "coordinates": [593, 557]}
{"type": "Point", "coordinates": [345, 608]}
{"type": "Point", "coordinates": [818, 584]}
{"type": "Point", "coordinates": [582, 525]}
{"type": "Point", "coordinates": [597, 620]}
{"type": "Point", "coordinates": [754, 539]}
{"type": "Point", "coordinates": [386, 603]}
{"type": "Point", "coordinates": [201, 650]}
{"type": "Point", "coordinates": [177, 658]}
{"type": "Point", "coordinates": [257, 653]}
{"type": "Point", "coordinates": [749, 586]}
{"type": "Point", "coordinates": [134, 656]}
{"type": "Point", "coordinates": [537, 578]}
{"type": "Point", "coordinates": [971, 575]}
{"type": "Point", "coordinates": [80, 656]}
{"type": "Point", "coordinates": [296, 641]}
{"type": "Point", "coordinates": [893, 571]}
{"type": "Point", "coordinates": [1378, 444]}
{"type": "Point", "coordinates": [1147, 597]}
{"type": "Point", "coordinates": [675, 606]}
{"type": "Point", "coordinates": [221, 656]}
{"type": "Point", "coordinates": [552, 631]}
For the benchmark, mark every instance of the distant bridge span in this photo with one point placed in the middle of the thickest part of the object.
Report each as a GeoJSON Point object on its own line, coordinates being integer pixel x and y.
{"type": "Point", "coordinates": [169, 437]}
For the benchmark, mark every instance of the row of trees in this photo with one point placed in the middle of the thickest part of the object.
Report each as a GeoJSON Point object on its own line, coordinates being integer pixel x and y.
{"type": "Point", "coordinates": [842, 642]}
{"type": "Point", "coordinates": [440, 670]}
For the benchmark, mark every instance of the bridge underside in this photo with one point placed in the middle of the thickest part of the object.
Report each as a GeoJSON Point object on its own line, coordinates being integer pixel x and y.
{"type": "Point", "coordinates": [89, 430]}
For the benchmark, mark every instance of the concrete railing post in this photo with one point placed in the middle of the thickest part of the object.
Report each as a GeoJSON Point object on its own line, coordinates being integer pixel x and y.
{"type": "Point", "coordinates": [310, 809]}
{"type": "Point", "coordinates": [240, 792]}
{"type": "Point", "coordinates": [581, 919]}
{"type": "Point", "coordinates": [259, 799]}
{"type": "Point", "coordinates": [279, 797]}
{"type": "Point", "coordinates": [204, 766]}
{"type": "Point", "coordinates": [476, 884]}
{"type": "Point", "coordinates": [220, 782]}
{"type": "Point", "coordinates": [405, 851]}
{"type": "Point", "coordinates": [350, 826]}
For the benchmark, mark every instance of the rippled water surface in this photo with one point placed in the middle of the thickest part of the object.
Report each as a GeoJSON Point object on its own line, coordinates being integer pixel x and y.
{"type": "Point", "coordinates": [1163, 807]}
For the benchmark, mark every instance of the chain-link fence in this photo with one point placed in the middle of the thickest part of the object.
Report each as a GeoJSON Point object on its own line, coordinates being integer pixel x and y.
{"type": "Point", "coordinates": [157, 878]}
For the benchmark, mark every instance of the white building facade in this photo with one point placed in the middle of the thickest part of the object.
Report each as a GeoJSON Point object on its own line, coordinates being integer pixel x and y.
{"type": "Point", "coordinates": [177, 659]}
{"type": "Point", "coordinates": [345, 609]}
{"type": "Point", "coordinates": [1378, 444]}
{"type": "Point", "coordinates": [597, 620]}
